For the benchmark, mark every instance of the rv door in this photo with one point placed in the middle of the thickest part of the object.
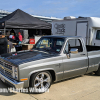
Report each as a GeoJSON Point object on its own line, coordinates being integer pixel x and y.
{"type": "Point", "coordinates": [82, 30]}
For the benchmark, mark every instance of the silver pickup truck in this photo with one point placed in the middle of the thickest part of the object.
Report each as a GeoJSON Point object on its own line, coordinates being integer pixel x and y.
{"type": "Point", "coordinates": [52, 59]}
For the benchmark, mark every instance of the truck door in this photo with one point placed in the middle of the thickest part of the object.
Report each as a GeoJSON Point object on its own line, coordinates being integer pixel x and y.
{"type": "Point", "coordinates": [77, 64]}
{"type": "Point", "coordinates": [81, 29]}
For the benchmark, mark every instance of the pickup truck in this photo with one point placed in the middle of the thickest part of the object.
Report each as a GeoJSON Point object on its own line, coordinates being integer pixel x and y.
{"type": "Point", "coordinates": [53, 58]}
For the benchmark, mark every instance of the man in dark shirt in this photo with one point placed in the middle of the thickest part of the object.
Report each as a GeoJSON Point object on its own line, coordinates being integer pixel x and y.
{"type": "Point", "coordinates": [9, 46]}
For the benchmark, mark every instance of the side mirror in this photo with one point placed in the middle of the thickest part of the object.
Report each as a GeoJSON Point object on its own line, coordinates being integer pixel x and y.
{"type": "Point", "coordinates": [74, 50]}
{"type": "Point", "coordinates": [67, 54]}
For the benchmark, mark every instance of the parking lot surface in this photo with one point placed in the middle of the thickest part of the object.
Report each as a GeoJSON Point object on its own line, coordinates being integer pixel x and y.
{"type": "Point", "coordinates": [86, 87]}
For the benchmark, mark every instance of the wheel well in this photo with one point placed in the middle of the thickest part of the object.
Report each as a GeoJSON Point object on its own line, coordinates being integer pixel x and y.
{"type": "Point", "coordinates": [51, 72]}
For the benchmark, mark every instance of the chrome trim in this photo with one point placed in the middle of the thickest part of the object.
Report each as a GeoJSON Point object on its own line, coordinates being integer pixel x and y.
{"type": "Point", "coordinates": [67, 71]}
{"type": "Point", "coordinates": [59, 72]}
{"type": "Point", "coordinates": [12, 82]}
{"type": "Point", "coordinates": [94, 65]}
{"type": "Point", "coordinates": [91, 66]}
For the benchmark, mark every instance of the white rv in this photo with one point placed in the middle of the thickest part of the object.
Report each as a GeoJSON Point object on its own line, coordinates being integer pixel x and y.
{"type": "Point", "coordinates": [87, 27]}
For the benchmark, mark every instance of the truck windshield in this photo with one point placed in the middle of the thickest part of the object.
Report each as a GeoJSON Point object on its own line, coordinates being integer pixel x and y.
{"type": "Point", "coordinates": [50, 44]}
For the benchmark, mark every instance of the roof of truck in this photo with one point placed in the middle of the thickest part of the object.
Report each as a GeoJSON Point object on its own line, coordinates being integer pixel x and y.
{"type": "Point", "coordinates": [63, 36]}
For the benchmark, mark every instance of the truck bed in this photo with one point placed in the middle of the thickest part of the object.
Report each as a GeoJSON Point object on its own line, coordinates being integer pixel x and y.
{"type": "Point", "coordinates": [92, 48]}
{"type": "Point", "coordinates": [94, 57]}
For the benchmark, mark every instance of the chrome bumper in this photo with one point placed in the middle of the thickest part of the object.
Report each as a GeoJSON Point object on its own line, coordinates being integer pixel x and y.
{"type": "Point", "coordinates": [11, 82]}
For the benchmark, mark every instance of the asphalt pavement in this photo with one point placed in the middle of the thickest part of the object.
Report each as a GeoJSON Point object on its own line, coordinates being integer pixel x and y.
{"type": "Point", "coordinates": [86, 87]}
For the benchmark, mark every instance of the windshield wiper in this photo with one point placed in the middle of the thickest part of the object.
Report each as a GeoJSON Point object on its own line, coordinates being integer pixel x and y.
{"type": "Point", "coordinates": [49, 50]}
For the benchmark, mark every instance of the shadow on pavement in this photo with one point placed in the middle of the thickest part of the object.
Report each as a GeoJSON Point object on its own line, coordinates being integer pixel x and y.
{"type": "Point", "coordinates": [6, 86]}
{"type": "Point", "coordinates": [67, 79]}
{"type": "Point", "coordinates": [92, 74]}
{"type": "Point", "coordinates": [4, 89]}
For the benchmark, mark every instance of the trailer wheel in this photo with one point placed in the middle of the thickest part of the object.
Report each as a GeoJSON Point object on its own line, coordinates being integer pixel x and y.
{"type": "Point", "coordinates": [41, 81]}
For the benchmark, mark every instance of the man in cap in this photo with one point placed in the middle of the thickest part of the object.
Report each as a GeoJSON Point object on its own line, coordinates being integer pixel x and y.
{"type": "Point", "coordinates": [20, 37]}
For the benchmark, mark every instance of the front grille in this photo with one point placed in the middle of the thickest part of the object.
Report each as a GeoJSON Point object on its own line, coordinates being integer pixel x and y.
{"type": "Point", "coordinates": [8, 73]}
{"type": "Point", "coordinates": [6, 68]}
{"type": "Point", "coordinates": [1, 62]}
{"type": "Point", "coordinates": [6, 65]}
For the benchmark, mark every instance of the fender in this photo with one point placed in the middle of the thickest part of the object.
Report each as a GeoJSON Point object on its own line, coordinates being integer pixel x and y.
{"type": "Point", "coordinates": [39, 71]}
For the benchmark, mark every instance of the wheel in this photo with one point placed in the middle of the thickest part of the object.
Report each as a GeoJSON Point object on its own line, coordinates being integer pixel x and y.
{"type": "Point", "coordinates": [98, 71]}
{"type": "Point", "coordinates": [41, 81]}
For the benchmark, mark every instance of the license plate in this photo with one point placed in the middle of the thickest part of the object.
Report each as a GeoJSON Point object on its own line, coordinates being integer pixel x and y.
{"type": "Point", "coordinates": [2, 79]}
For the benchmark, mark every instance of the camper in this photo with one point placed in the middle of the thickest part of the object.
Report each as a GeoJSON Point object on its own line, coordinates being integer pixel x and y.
{"type": "Point", "coordinates": [86, 27]}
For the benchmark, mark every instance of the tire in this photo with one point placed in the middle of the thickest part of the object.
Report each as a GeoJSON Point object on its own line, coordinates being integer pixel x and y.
{"type": "Point", "coordinates": [98, 71]}
{"type": "Point", "coordinates": [41, 81]}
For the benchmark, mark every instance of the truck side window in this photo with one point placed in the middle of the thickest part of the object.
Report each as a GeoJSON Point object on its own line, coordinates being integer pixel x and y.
{"type": "Point", "coordinates": [74, 43]}
{"type": "Point", "coordinates": [98, 35]}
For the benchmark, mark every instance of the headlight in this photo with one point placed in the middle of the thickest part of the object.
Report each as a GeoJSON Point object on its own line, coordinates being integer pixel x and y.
{"type": "Point", "coordinates": [15, 72]}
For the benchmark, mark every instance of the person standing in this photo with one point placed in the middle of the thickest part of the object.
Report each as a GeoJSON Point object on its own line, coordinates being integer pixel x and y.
{"type": "Point", "coordinates": [9, 46]}
{"type": "Point", "coordinates": [12, 38]}
{"type": "Point", "coordinates": [17, 38]}
{"type": "Point", "coordinates": [20, 37]}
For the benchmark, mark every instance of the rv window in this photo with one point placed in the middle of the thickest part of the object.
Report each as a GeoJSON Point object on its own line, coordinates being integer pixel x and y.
{"type": "Point", "coordinates": [98, 35]}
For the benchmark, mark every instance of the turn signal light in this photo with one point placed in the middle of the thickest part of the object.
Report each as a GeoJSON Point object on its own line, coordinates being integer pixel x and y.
{"type": "Point", "coordinates": [24, 79]}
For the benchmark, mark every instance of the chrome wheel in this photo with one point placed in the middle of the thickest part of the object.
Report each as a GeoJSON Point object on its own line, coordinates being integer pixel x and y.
{"type": "Point", "coordinates": [42, 82]}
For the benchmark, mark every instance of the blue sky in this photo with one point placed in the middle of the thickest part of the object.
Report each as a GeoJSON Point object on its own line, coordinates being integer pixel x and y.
{"type": "Point", "coordinates": [54, 8]}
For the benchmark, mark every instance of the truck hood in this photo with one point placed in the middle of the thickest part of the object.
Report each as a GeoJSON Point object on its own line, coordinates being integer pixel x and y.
{"type": "Point", "coordinates": [29, 56]}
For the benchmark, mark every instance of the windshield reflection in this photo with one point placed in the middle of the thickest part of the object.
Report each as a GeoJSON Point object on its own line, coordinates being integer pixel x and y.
{"type": "Point", "coordinates": [50, 44]}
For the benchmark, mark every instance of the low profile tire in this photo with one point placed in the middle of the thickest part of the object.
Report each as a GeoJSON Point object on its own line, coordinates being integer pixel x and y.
{"type": "Point", "coordinates": [41, 81]}
{"type": "Point", "coordinates": [98, 72]}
